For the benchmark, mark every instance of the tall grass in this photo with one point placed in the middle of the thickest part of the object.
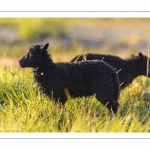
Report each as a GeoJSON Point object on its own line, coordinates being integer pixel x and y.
{"type": "Point", "coordinates": [24, 109]}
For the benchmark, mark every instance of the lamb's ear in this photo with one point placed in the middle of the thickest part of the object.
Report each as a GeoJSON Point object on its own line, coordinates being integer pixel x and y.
{"type": "Point", "coordinates": [141, 56]}
{"type": "Point", "coordinates": [45, 46]}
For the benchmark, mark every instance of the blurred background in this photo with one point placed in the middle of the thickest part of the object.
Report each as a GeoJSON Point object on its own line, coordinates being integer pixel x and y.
{"type": "Point", "coordinates": [71, 36]}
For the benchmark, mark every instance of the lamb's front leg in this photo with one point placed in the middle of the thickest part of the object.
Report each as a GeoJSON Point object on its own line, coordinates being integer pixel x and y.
{"type": "Point", "coordinates": [59, 95]}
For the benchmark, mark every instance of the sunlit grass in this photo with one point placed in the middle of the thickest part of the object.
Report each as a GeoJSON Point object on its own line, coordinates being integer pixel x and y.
{"type": "Point", "coordinates": [24, 109]}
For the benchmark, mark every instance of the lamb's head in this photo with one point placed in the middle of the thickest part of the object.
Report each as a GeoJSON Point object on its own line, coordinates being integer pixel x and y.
{"type": "Point", "coordinates": [34, 56]}
{"type": "Point", "coordinates": [143, 63]}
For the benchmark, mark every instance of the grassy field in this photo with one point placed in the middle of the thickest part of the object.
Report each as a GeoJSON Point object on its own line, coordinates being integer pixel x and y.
{"type": "Point", "coordinates": [24, 109]}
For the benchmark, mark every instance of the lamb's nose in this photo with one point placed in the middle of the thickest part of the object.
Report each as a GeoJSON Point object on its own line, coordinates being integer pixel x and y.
{"type": "Point", "coordinates": [21, 63]}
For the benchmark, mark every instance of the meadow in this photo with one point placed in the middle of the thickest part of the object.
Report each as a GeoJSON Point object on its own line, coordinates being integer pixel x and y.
{"type": "Point", "coordinates": [24, 109]}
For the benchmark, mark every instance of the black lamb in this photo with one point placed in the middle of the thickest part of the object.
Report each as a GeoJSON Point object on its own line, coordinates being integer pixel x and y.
{"type": "Point", "coordinates": [128, 69]}
{"type": "Point", "coordinates": [80, 78]}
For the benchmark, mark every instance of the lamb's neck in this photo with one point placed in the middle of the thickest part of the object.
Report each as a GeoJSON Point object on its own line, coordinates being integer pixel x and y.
{"type": "Point", "coordinates": [43, 68]}
{"type": "Point", "coordinates": [43, 76]}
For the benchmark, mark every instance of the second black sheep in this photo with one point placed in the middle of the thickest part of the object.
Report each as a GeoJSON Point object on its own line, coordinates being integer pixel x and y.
{"type": "Point", "coordinates": [129, 68]}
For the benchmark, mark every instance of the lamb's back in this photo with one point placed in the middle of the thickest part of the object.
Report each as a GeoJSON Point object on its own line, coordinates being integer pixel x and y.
{"type": "Point", "coordinates": [89, 68]}
{"type": "Point", "coordinates": [80, 77]}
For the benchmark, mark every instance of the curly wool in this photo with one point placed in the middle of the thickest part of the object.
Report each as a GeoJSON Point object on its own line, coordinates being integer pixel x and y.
{"type": "Point", "coordinates": [128, 69]}
{"type": "Point", "coordinates": [93, 77]}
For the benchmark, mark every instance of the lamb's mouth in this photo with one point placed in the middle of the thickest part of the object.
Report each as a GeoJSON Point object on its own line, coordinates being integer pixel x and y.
{"type": "Point", "coordinates": [22, 64]}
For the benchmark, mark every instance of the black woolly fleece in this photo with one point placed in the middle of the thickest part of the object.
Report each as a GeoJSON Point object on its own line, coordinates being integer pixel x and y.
{"type": "Point", "coordinates": [80, 78]}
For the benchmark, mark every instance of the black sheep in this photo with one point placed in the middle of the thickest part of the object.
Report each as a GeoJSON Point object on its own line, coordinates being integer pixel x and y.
{"type": "Point", "coordinates": [129, 68]}
{"type": "Point", "coordinates": [80, 78]}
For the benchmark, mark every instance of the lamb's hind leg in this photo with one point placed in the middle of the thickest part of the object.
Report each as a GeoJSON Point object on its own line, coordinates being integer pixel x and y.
{"type": "Point", "coordinates": [111, 105]}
